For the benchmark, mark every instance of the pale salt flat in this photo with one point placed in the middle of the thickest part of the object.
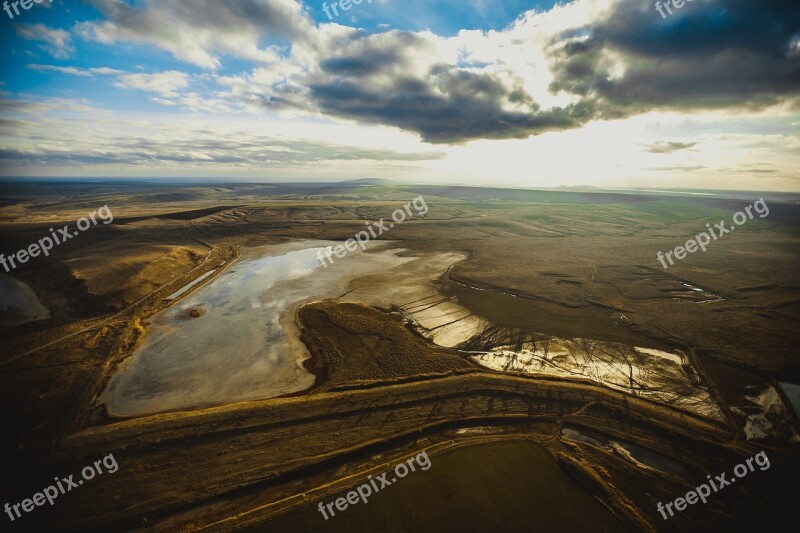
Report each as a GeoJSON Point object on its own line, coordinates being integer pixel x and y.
{"type": "Point", "coordinates": [653, 374]}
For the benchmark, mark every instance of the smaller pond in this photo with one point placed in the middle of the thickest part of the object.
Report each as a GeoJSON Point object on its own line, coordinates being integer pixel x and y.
{"type": "Point", "coordinates": [641, 457]}
{"type": "Point", "coordinates": [18, 303]}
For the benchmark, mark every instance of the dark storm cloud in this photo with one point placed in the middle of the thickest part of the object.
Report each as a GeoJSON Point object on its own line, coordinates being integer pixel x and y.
{"type": "Point", "coordinates": [451, 105]}
{"type": "Point", "coordinates": [359, 66]}
{"type": "Point", "coordinates": [380, 80]}
{"type": "Point", "coordinates": [707, 54]}
{"type": "Point", "coordinates": [710, 54]}
{"type": "Point", "coordinates": [703, 27]}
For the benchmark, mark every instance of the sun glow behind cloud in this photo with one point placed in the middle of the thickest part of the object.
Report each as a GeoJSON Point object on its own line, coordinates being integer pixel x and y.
{"type": "Point", "coordinates": [583, 93]}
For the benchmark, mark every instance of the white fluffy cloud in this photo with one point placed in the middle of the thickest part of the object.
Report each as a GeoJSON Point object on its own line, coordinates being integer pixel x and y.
{"type": "Point", "coordinates": [200, 31]}
{"type": "Point", "coordinates": [164, 84]}
{"type": "Point", "coordinates": [55, 42]}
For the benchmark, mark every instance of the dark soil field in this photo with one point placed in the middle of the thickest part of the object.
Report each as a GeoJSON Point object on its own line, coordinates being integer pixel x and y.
{"type": "Point", "coordinates": [479, 485]}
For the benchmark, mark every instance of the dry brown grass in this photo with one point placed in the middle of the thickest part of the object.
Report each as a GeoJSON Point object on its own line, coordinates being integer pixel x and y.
{"type": "Point", "coordinates": [351, 343]}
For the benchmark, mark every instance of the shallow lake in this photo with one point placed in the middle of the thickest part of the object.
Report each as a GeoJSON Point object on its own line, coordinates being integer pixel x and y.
{"type": "Point", "coordinates": [227, 341]}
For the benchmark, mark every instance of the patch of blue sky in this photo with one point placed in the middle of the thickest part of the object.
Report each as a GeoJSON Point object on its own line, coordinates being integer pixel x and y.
{"type": "Point", "coordinates": [19, 52]}
{"type": "Point", "coordinates": [19, 74]}
{"type": "Point", "coordinates": [443, 17]}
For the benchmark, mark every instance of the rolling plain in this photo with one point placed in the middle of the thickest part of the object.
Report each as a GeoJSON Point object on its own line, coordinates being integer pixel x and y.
{"type": "Point", "coordinates": [529, 340]}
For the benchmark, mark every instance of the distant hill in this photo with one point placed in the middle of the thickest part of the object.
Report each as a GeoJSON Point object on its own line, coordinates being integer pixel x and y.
{"type": "Point", "coordinates": [369, 181]}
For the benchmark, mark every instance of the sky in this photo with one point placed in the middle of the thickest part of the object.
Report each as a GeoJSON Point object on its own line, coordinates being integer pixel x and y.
{"type": "Point", "coordinates": [601, 93]}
